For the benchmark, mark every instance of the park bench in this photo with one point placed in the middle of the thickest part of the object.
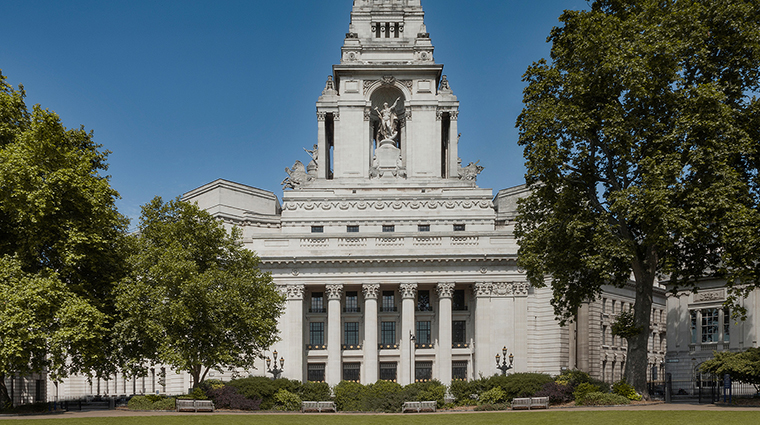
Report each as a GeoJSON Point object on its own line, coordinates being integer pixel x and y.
{"type": "Point", "coordinates": [419, 406]}
{"type": "Point", "coordinates": [530, 403]}
{"type": "Point", "coordinates": [195, 405]}
{"type": "Point", "coordinates": [318, 406]}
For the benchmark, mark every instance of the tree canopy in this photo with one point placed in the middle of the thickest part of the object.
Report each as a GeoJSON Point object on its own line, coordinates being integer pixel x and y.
{"type": "Point", "coordinates": [641, 143]}
{"type": "Point", "coordinates": [61, 244]}
{"type": "Point", "coordinates": [195, 299]}
{"type": "Point", "coordinates": [743, 366]}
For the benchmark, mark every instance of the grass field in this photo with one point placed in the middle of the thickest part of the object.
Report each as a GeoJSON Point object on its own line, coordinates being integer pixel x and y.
{"type": "Point", "coordinates": [531, 418]}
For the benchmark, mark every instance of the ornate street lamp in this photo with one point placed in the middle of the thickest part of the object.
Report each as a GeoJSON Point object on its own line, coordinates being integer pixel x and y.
{"type": "Point", "coordinates": [276, 371]}
{"type": "Point", "coordinates": [504, 367]}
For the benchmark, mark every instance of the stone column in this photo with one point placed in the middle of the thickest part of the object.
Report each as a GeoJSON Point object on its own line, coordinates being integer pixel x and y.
{"type": "Point", "coordinates": [484, 352]}
{"type": "Point", "coordinates": [582, 329]}
{"type": "Point", "coordinates": [371, 366]}
{"type": "Point", "coordinates": [445, 292]}
{"type": "Point", "coordinates": [334, 369]}
{"type": "Point", "coordinates": [292, 346]}
{"type": "Point", "coordinates": [406, 365]}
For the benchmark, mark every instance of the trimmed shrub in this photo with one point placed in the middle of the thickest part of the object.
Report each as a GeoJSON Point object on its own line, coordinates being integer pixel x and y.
{"type": "Point", "coordinates": [624, 389]}
{"type": "Point", "coordinates": [604, 399]}
{"type": "Point", "coordinates": [383, 396]}
{"type": "Point", "coordinates": [196, 394]}
{"type": "Point", "coordinates": [349, 396]}
{"type": "Point", "coordinates": [315, 391]}
{"type": "Point", "coordinates": [144, 403]}
{"type": "Point", "coordinates": [490, 407]}
{"type": "Point", "coordinates": [558, 393]}
{"type": "Point", "coordinates": [227, 397]}
{"type": "Point", "coordinates": [493, 396]}
{"type": "Point", "coordinates": [577, 377]}
{"type": "Point", "coordinates": [464, 392]}
{"type": "Point", "coordinates": [583, 390]}
{"type": "Point", "coordinates": [520, 384]}
{"type": "Point", "coordinates": [264, 389]}
{"type": "Point", "coordinates": [285, 400]}
{"type": "Point", "coordinates": [425, 391]}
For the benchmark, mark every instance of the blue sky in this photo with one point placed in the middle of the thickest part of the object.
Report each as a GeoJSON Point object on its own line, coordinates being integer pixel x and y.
{"type": "Point", "coordinates": [186, 92]}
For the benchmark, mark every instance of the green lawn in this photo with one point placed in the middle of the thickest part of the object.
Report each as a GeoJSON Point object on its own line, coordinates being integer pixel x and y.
{"type": "Point", "coordinates": [523, 418]}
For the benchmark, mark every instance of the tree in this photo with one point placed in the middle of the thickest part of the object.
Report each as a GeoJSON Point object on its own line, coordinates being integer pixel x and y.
{"type": "Point", "coordinates": [61, 243]}
{"type": "Point", "coordinates": [195, 299]}
{"type": "Point", "coordinates": [743, 366]}
{"type": "Point", "coordinates": [641, 146]}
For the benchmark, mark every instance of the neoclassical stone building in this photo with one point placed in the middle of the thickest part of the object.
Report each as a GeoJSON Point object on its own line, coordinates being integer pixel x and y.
{"type": "Point", "coordinates": [394, 263]}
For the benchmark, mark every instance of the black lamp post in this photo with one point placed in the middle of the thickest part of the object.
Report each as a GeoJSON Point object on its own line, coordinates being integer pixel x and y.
{"type": "Point", "coordinates": [276, 371]}
{"type": "Point", "coordinates": [504, 367]}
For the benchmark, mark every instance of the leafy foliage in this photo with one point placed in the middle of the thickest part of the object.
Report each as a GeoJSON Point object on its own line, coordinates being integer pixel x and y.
{"type": "Point", "coordinates": [557, 392]}
{"type": "Point", "coordinates": [227, 397]}
{"type": "Point", "coordinates": [583, 390]}
{"type": "Point", "coordinates": [641, 141]}
{"type": "Point", "coordinates": [743, 366]}
{"type": "Point", "coordinates": [61, 242]}
{"type": "Point", "coordinates": [624, 326]}
{"type": "Point", "coordinates": [349, 396]}
{"type": "Point", "coordinates": [315, 391]}
{"type": "Point", "coordinates": [493, 396]}
{"type": "Point", "coordinates": [520, 384]}
{"type": "Point", "coordinates": [149, 403]}
{"type": "Point", "coordinates": [603, 399]}
{"type": "Point", "coordinates": [626, 390]}
{"type": "Point", "coordinates": [285, 400]}
{"type": "Point", "coordinates": [195, 298]}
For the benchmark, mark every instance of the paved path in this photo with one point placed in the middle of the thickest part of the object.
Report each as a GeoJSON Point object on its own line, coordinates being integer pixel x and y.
{"type": "Point", "coordinates": [650, 406]}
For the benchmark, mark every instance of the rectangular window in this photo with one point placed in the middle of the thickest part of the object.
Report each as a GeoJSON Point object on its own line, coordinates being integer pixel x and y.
{"type": "Point", "coordinates": [352, 229]}
{"type": "Point", "coordinates": [423, 371]}
{"type": "Point", "coordinates": [317, 302]}
{"type": "Point", "coordinates": [389, 301]}
{"type": "Point", "coordinates": [423, 333]}
{"type": "Point", "coordinates": [423, 300]}
{"type": "Point", "coordinates": [389, 228]}
{"type": "Point", "coordinates": [388, 333]}
{"type": "Point", "coordinates": [352, 302]}
{"type": "Point", "coordinates": [726, 325]}
{"type": "Point", "coordinates": [423, 228]}
{"type": "Point", "coordinates": [613, 307]}
{"type": "Point", "coordinates": [351, 371]}
{"type": "Point", "coordinates": [604, 335]}
{"type": "Point", "coordinates": [457, 302]}
{"type": "Point", "coordinates": [317, 333]}
{"type": "Point", "coordinates": [316, 372]}
{"type": "Point", "coordinates": [710, 325]}
{"type": "Point", "coordinates": [388, 371]}
{"type": "Point", "coordinates": [459, 371]}
{"type": "Point", "coordinates": [317, 229]}
{"type": "Point", "coordinates": [458, 332]}
{"type": "Point", "coordinates": [351, 334]}
{"type": "Point", "coordinates": [459, 227]}
{"type": "Point", "coordinates": [604, 305]}
{"type": "Point", "coordinates": [693, 326]}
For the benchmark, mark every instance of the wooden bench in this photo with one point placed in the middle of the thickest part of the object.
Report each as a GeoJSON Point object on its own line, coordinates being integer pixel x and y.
{"type": "Point", "coordinates": [530, 403]}
{"type": "Point", "coordinates": [195, 405]}
{"type": "Point", "coordinates": [419, 406]}
{"type": "Point", "coordinates": [318, 406]}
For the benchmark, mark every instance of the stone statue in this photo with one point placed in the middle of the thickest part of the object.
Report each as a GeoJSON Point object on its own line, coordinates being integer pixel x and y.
{"type": "Point", "coordinates": [471, 171]}
{"type": "Point", "coordinates": [296, 177]}
{"type": "Point", "coordinates": [314, 153]}
{"type": "Point", "coordinates": [388, 120]}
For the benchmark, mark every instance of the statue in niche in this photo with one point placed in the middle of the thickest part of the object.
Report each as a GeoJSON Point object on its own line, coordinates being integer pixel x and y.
{"type": "Point", "coordinates": [470, 172]}
{"type": "Point", "coordinates": [296, 176]}
{"type": "Point", "coordinates": [388, 120]}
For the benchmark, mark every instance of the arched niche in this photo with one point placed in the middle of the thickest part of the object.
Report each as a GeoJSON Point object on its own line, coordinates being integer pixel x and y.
{"type": "Point", "coordinates": [379, 97]}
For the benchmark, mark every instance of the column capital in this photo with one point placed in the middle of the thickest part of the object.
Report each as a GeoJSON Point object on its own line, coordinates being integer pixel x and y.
{"type": "Point", "coordinates": [482, 289]}
{"type": "Point", "coordinates": [334, 292]}
{"type": "Point", "coordinates": [408, 290]}
{"type": "Point", "coordinates": [445, 290]}
{"type": "Point", "coordinates": [291, 292]}
{"type": "Point", "coordinates": [370, 290]}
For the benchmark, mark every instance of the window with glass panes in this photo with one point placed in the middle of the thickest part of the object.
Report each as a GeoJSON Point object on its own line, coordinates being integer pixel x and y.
{"type": "Point", "coordinates": [317, 333]}
{"type": "Point", "coordinates": [423, 300]}
{"type": "Point", "coordinates": [459, 332]}
{"type": "Point", "coordinates": [317, 302]}
{"type": "Point", "coordinates": [693, 326]}
{"type": "Point", "coordinates": [351, 372]}
{"type": "Point", "coordinates": [316, 372]}
{"type": "Point", "coordinates": [459, 370]}
{"type": "Point", "coordinates": [710, 325]}
{"type": "Point", "coordinates": [726, 325]}
{"type": "Point", "coordinates": [351, 333]}
{"type": "Point", "coordinates": [423, 371]}
{"type": "Point", "coordinates": [423, 332]}
{"type": "Point", "coordinates": [388, 371]}
{"type": "Point", "coordinates": [388, 333]}
{"type": "Point", "coordinates": [457, 301]}
{"type": "Point", "coordinates": [389, 301]}
{"type": "Point", "coordinates": [352, 302]}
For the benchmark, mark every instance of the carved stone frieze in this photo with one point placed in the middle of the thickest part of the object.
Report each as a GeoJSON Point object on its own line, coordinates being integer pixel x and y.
{"type": "Point", "coordinates": [370, 290]}
{"type": "Point", "coordinates": [521, 289]}
{"type": "Point", "coordinates": [334, 292]}
{"type": "Point", "coordinates": [482, 289]}
{"type": "Point", "coordinates": [716, 295]}
{"type": "Point", "coordinates": [380, 205]}
{"type": "Point", "coordinates": [387, 81]}
{"type": "Point", "coordinates": [294, 292]}
{"type": "Point", "coordinates": [445, 290]}
{"type": "Point", "coordinates": [408, 290]}
{"type": "Point", "coordinates": [502, 289]}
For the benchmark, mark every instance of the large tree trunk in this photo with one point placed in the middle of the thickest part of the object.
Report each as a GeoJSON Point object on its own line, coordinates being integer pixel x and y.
{"type": "Point", "coordinates": [5, 400]}
{"type": "Point", "coordinates": [637, 361]}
